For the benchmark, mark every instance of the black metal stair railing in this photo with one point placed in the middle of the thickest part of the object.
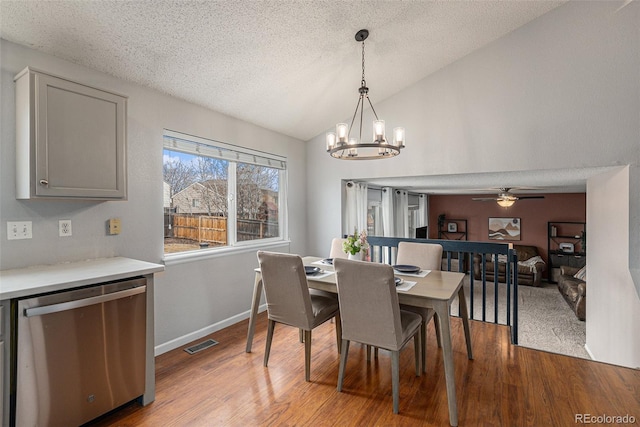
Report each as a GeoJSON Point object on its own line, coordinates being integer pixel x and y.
{"type": "Point", "coordinates": [470, 258]}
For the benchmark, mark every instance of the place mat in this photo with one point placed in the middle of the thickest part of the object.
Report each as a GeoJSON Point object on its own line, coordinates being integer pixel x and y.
{"type": "Point", "coordinates": [320, 275]}
{"type": "Point", "coordinates": [405, 286]}
{"type": "Point", "coordinates": [421, 273]}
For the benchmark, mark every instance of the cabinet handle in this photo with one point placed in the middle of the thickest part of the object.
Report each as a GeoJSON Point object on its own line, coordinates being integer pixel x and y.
{"type": "Point", "coordinates": [44, 182]}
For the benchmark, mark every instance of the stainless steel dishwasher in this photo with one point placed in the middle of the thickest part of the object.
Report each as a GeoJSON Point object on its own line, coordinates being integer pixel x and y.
{"type": "Point", "coordinates": [79, 353]}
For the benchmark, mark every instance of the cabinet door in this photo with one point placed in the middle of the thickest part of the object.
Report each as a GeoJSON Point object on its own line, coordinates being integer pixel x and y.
{"type": "Point", "coordinates": [80, 148]}
{"type": "Point", "coordinates": [76, 140]}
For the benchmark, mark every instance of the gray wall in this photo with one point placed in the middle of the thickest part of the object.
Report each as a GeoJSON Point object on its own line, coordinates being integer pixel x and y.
{"type": "Point", "coordinates": [200, 295]}
{"type": "Point", "coordinates": [562, 92]}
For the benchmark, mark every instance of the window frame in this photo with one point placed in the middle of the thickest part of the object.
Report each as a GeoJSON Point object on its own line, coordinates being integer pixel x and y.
{"type": "Point", "coordinates": [242, 153]}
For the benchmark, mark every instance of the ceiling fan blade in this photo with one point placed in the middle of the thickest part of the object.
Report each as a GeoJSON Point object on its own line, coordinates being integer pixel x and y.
{"type": "Point", "coordinates": [484, 199]}
{"type": "Point", "coordinates": [530, 197]}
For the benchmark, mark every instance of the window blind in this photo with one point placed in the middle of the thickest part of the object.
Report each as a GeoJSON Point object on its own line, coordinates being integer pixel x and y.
{"type": "Point", "coordinates": [190, 144]}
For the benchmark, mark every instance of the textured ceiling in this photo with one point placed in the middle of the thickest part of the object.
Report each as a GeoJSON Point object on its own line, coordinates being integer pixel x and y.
{"type": "Point", "coordinates": [290, 66]}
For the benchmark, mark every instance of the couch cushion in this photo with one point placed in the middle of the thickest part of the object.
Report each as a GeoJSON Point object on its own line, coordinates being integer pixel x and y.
{"type": "Point", "coordinates": [572, 293]}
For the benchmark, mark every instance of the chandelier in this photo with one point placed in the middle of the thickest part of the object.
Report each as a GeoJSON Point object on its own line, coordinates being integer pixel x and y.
{"type": "Point", "coordinates": [341, 145]}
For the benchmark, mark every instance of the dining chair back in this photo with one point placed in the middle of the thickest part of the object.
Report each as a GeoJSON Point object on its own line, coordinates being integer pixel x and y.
{"type": "Point", "coordinates": [371, 315]}
{"type": "Point", "coordinates": [336, 248]}
{"type": "Point", "coordinates": [289, 301]}
{"type": "Point", "coordinates": [427, 256]}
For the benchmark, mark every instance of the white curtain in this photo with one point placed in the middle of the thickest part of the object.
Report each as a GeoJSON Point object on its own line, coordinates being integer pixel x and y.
{"type": "Point", "coordinates": [423, 211]}
{"type": "Point", "coordinates": [388, 227]}
{"type": "Point", "coordinates": [356, 207]}
{"type": "Point", "coordinates": [401, 212]}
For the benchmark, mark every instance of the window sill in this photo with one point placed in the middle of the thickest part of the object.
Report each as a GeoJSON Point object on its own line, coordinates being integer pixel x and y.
{"type": "Point", "coordinates": [202, 254]}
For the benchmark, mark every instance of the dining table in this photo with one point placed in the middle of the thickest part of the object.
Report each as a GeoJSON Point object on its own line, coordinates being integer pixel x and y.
{"type": "Point", "coordinates": [436, 290]}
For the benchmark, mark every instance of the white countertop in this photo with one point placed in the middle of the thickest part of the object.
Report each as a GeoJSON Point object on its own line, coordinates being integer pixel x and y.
{"type": "Point", "coordinates": [38, 279]}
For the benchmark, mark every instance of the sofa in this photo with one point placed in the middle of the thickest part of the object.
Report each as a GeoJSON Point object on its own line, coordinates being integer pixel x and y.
{"type": "Point", "coordinates": [573, 289]}
{"type": "Point", "coordinates": [530, 266]}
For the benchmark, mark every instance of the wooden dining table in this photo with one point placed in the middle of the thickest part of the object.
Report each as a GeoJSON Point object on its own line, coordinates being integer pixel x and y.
{"type": "Point", "coordinates": [436, 290]}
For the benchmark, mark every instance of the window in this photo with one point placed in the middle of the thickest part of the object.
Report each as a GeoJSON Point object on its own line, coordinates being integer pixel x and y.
{"type": "Point", "coordinates": [220, 195]}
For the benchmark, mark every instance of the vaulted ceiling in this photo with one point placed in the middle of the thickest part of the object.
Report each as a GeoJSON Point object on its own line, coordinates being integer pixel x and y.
{"type": "Point", "coordinates": [290, 66]}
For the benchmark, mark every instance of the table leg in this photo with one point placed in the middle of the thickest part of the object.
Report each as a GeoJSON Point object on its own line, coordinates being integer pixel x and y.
{"type": "Point", "coordinates": [255, 303]}
{"type": "Point", "coordinates": [464, 313]}
{"type": "Point", "coordinates": [442, 311]}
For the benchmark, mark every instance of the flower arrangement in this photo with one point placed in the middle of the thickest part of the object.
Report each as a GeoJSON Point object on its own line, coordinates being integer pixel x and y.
{"type": "Point", "coordinates": [356, 242]}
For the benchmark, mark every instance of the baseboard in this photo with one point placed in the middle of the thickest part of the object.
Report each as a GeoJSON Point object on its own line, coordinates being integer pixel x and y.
{"type": "Point", "coordinates": [186, 339]}
{"type": "Point", "coordinates": [589, 352]}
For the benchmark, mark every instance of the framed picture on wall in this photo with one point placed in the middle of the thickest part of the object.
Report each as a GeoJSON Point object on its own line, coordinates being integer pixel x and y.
{"type": "Point", "coordinates": [452, 227]}
{"type": "Point", "coordinates": [504, 228]}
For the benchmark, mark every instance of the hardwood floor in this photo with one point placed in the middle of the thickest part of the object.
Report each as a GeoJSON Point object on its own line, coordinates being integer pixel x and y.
{"type": "Point", "coordinates": [504, 385]}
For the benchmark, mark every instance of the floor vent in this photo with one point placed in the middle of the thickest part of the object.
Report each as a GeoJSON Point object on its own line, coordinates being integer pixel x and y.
{"type": "Point", "coordinates": [202, 346]}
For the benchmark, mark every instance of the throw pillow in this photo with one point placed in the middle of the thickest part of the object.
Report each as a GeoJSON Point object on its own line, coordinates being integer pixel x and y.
{"type": "Point", "coordinates": [581, 274]}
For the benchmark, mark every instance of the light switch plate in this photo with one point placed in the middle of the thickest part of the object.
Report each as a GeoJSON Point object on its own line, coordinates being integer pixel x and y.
{"type": "Point", "coordinates": [19, 230]}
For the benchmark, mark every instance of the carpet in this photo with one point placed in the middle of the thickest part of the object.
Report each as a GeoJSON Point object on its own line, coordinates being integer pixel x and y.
{"type": "Point", "coordinates": [545, 321]}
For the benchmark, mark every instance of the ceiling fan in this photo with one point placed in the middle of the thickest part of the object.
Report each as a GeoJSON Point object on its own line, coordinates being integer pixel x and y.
{"type": "Point", "coordinates": [505, 198]}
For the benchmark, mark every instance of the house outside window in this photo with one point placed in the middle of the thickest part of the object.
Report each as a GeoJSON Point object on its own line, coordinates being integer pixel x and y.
{"type": "Point", "coordinates": [220, 195]}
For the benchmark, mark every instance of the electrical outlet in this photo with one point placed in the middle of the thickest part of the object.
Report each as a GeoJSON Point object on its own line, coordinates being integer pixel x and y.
{"type": "Point", "coordinates": [19, 230]}
{"type": "Point", "coordinates": [64, 227]}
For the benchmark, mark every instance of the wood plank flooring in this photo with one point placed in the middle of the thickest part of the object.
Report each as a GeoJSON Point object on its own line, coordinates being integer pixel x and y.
{"type": "Point", "coordinates": [504, 385]}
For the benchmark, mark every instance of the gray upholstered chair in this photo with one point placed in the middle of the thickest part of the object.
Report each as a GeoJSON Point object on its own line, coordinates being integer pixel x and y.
{"type": "Point", "coordinates": [336, 249]}
{"type": "Point", "coordinates": [371, 315]}
{"type": "Point", "coordinates": [427, 256]}
{"type": "Point", "coordinates": [289, 301]}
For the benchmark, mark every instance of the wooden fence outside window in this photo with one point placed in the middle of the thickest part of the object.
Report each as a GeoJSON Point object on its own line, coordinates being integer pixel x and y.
{"type": "Point", "coordinates": [213, 229]}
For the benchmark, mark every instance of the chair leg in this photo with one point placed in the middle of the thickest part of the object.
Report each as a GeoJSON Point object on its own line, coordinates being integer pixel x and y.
{"type": "Point", "coordinates": [423, 339]}
{"type": "Point", "coordinates": [343, 362]}
{"type": "Point", "coordinates": [395, 380]}
{"type": "Point", "coordinates": [338, 332]}
{"type": "Point", "coordinates": [436, 323]}
{"type": "Point", "coordinates": [418, 347]}
{"type": "Point", "coordinates": [368, 348]}
{"type": "Point", "coordinates": [267, 350]}
{"type": "Point", "coordinates": [307, 355]}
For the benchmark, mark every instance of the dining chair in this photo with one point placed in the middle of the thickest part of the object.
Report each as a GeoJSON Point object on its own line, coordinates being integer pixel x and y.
{"type": "Point", "coordinates": [371, 315]}
{"type": "Point", "coordinates": [290, 303]}
{"type": "Point", "coordinates": [336, 248]}
{"type": "Point", "coordinates": [336, 251]}
{"type": "Point", "coordinates": [427, 256]}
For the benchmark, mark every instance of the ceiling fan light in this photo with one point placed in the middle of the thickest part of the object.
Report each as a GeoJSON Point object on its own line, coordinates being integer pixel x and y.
{"type": "Point", "coordinates": [505, 203]}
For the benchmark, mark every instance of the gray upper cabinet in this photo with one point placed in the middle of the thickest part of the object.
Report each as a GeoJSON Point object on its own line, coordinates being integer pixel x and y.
{"type": "Point", "coordinates": [70, 139]}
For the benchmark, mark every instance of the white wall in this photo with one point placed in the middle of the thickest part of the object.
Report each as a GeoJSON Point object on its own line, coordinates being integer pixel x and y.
{"type": "Point", "coordinates": [189, 296]}
{"type": "Point", "coordinates": [611, 297]}
{"type": "Point", "coordinates": [561, 92]}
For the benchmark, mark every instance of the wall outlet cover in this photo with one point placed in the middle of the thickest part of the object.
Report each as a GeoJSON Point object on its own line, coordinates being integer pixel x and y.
{"type": "Point", "coordinates": [64, 228]}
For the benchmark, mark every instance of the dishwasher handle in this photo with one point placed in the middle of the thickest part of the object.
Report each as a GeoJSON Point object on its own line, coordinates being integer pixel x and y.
{"type": "Point", "coordinates": [70, 305]}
